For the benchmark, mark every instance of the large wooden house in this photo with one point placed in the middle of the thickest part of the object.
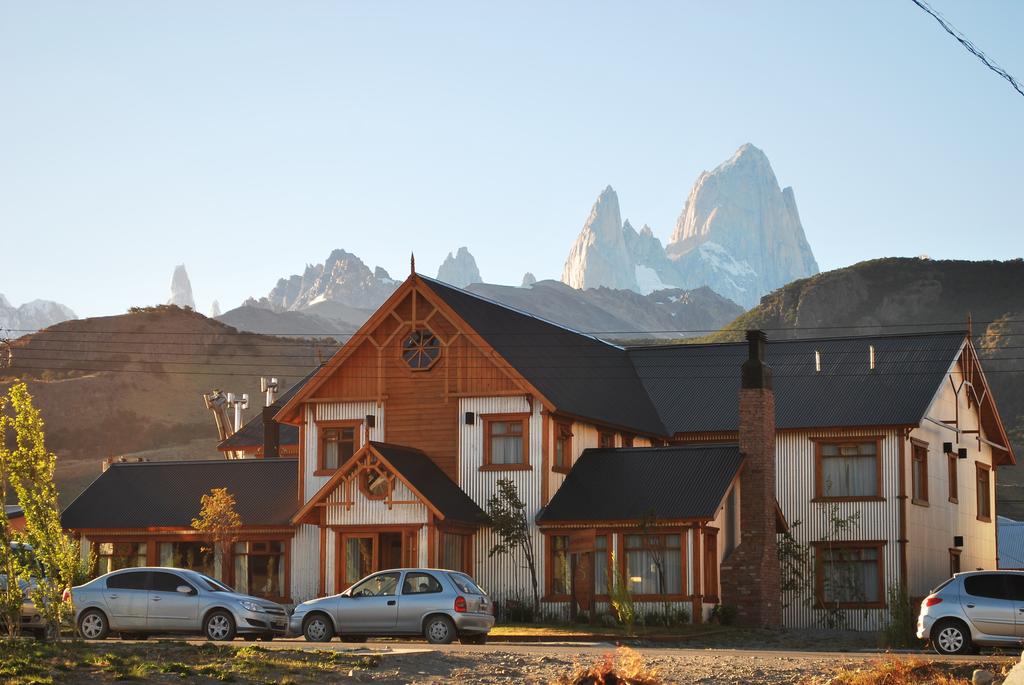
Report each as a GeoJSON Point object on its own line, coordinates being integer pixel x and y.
{"type": "Point", "coordinates": [670, 469]}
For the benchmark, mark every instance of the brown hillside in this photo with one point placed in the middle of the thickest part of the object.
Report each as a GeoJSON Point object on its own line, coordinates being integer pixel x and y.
{"type": "Point", "coordinates": [134, 383]}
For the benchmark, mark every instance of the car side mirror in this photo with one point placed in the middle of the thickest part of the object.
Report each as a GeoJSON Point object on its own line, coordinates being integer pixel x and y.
{"type": "Point", "coordinates": [184, 589]}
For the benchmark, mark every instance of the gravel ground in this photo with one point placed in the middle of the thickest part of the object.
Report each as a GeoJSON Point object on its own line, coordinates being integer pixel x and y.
{"type": "Point", "coordinates": [537, 668]}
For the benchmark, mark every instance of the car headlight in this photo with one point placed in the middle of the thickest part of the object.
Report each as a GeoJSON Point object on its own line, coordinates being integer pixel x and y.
{"type": "Point", "coordinates": [251, 606]}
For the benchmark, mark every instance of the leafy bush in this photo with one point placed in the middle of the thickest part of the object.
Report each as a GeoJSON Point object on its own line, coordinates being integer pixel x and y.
{"type": "Point", "coordinates": [902, 619]}
{"type": "Point", "coordinates": [723, 614]}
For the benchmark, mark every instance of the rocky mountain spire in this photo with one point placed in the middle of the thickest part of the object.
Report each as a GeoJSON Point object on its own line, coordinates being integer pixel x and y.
{"type": "Point", "coordinates": [459, 270]}
{"type": "Point", "coordinates": [739, 209]}
{"type": "Point", "coordinates": [181, 289]}
{"type": "Point", "coordinates": [599, 256]}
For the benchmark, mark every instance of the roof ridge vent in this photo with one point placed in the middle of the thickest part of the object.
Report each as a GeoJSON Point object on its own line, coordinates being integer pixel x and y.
{"type": "Point", "coordinates": [871, 357]}
{"type": "Point", "coordinates": [817, 361]}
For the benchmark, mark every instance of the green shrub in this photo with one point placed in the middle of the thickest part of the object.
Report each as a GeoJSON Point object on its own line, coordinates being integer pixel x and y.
{"type": "Point", "coordinates": [723, 614]}
{"type": "Point", "coordinates": [900, 632]}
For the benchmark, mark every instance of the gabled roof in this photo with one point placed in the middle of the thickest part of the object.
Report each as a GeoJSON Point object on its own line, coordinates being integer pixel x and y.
{"type": "Point", "coordinates": [663, 391]}
{"type": "Point", "coordinates": [676, 483]}
{"type": "Point", "coordinates": [167, 493]}
{"type": "Point", "coordinates": [695, 387]}
{"type": "Point", "coordinates": [419, 472]}
{"type": "Point", "coordinates": [251, 434]}
{"type": "Point", "coordinates": [580, 374]}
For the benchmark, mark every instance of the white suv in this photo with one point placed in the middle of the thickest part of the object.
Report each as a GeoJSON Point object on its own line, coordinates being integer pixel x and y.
{"type": "Point", "coordinates": [980, 608]}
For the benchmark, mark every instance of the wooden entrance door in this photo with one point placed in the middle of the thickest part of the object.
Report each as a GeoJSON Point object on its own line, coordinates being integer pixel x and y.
{"type": "Point", "coordinates": [362, 552]}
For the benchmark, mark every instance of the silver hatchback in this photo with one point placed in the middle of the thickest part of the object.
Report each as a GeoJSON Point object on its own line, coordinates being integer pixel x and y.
{"type": "Point", "coordinates": [979, 608]}
{"type": "Point", "coordinates": [438, 604]}
{"type": "Point", "coordinates": [144, 601]}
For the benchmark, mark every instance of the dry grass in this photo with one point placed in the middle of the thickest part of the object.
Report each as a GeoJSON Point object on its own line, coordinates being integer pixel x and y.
{"type": "Point", "coordinates": [625, 667]}
{"type": "Point", "coordinates": [896, 671]}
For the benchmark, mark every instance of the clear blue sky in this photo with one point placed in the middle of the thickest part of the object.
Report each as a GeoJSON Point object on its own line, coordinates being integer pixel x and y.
{"type": "Point", "coordinates": [247, 139]}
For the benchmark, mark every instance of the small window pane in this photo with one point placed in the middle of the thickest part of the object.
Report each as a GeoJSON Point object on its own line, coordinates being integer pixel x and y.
{"type": "Point", "coordinates": [380, 585]}
{"type": "Point", "coordinates": [560, 581]}
{"type": "Point", "coordinates": [135, 580]}
{"type": "Point", "coordinates": [161, 581]}
{"type": "Point", "coordinates": [420, 584]}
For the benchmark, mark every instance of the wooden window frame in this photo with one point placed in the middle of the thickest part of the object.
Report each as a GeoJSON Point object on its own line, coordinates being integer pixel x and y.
{"type": "Point", "coordinates": [609, 536]}
{"type": "Point", "coordinates": [819, 484]}
{"type": "Point", "coordinates": [410, 547]}
{"type": "Point", "coordinates": [563, 432]}
{"type": "Point", "coordinates": [819, 573]}
{"type": "Point", "coordinates": [321, 426]}
{"type": "Point", "coordinates": [917, 449]}
{"type": "Point", "coordinates": [978, 469]}
{"type": "Point", "coordinates": [952, 473]}
{"type": "Point", "coordinates": [601, 435]}
{"type": "Point", "coordinates": [402, 349]}
{"type": "Point", "coordinates": [954, 553]}
{"type": "Point", "coordinates": [549, 567]}
{"type": "Point", "coordinates": [488, 421]}
{"type": "Point", "coordinates": [683, 561]}
{"type": "Point", "coordinates": [364, 488]}
{"type": "Point", "coordinates": [286, 551]}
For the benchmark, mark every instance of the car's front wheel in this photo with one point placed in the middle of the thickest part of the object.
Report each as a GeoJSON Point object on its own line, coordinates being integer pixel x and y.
{"type": "Point", "coordinates": [950, 636]}
{"type": "Point", "coordinates": [92, 625]}
{"type": "Point", "coordinates": [317, 628]}
{"type": "Point", "coordinates": [439, 630]}
{"type": "Point", "coordinates": [219, 625]}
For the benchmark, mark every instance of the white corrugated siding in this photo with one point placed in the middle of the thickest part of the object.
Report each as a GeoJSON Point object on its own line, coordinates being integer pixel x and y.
{"type": "Point", "coordinates": [305, 563]}
{"type": "Point", "coordinates": [501, 577]}
{"type": "Point", "coordinates": [878, 520]}
{"type": "Point", "coordinates": [335, 411]}
{"type": "Point", "coordinates": [584, 436]}
{"type": "Point", "coordinates": [374, 512]}
{"type": "Point", "coordinates": [931, 529]}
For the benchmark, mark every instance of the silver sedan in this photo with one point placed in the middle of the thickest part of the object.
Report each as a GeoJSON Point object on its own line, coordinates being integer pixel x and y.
{"type": "Point", "coordinates": [438, 604]}
{"type": "Point", "coordinates": [144, 601]}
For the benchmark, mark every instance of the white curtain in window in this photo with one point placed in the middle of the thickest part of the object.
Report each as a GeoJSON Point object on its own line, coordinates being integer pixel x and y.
{"type": "Point", "coordinates": [601, 566]}
{"type": "Point", "coordinates": [653, 571]}
{"type": "Point", "coordinates": [849, 470]}
{"type": "Point", "coordinates": [506, 443]}
{"type": "Point", "coordinates": [851, 576]}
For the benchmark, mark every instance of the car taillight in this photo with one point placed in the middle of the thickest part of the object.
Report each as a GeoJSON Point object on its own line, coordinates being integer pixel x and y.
{"type": "Point", "coordinates": [66, 597]}
{"type": "Point", "coordinates": [460, 605]}
{"type": "Point", "coordinates": [932, 601]}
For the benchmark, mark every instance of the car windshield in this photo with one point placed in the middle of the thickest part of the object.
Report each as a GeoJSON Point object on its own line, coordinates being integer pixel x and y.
{"type": "Point", "coordinates": [466, 584]}
{"type": "Point", "coordinates": [213, 585]}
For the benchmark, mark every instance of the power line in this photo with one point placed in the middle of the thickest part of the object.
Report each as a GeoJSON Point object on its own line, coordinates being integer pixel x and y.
{"type": "Point", "coordinates": [971, 48]}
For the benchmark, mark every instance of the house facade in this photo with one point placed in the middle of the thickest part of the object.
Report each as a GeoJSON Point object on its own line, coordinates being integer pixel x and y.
{"type": "Point", "coordinates": [636, 466]}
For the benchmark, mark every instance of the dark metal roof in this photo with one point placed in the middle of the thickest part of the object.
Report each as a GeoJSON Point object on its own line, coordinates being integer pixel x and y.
{"type": "Point", "coordinates": [251, 434]}
{"type": "Point", "coordinates": [13, 511]}
{"type": "Point", "coordinates": [580, 374]}
{"type": "Point", "coordinates": [680, 482]}
{"type": "Point", "coordinates": [167, 493]}
{"type": "Point", "coordinates": [431, 482]}
{"type": "Point", "coordinates": [695, 387]}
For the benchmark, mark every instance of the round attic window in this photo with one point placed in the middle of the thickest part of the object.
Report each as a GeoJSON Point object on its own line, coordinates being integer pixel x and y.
{"type": "Point", "coordinates": [421, 349]}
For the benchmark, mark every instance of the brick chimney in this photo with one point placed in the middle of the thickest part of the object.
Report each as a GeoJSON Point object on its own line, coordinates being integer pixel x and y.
{"type": "Point", "coordinates": [271, 433]}
{"type": "Point", "coordinates": [751, 577]}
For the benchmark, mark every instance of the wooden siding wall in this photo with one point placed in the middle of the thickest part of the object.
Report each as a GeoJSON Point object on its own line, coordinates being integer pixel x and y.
{"type": "Point", "coordinates": [334, 411]}
{"type": "Point", "coordinates": [500, 577]}
{"type": "Point", "coordinates": [422, 405]}
{"type": "Point", "coordinates": [931, 529]}
{"type": "Point", "coordinates": [305, 563]}
{"type": "Point", "coordinates": [795, 464]}
{"type": "Point", "coordinates": [370, 512]}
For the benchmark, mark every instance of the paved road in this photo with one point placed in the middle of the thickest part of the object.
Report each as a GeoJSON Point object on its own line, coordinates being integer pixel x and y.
{"type": "Point", "coordinates": [588, 649]}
